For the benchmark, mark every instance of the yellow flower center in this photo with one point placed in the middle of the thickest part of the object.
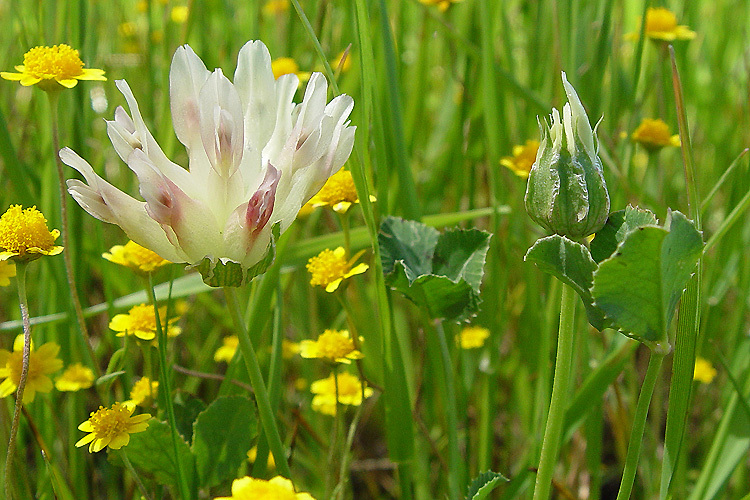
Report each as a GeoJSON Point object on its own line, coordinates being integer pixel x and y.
{"type": "Point", "coordinates": [660, 20]}
{"type": "Point", "coordinates": [110, 421]}
{"type": "Point", "coordinates": [334, 344]}
{"type": "Point", "coordinates": [326, 267]}
{"type": "Point", "coordinates": [60, 61]}
{"type": "Point", "coordinates": [23, 229]}
{"type": "Point", "coordinates": [143, 390]}
{"type": "Point", "coordinates": [142, 318]}
{"type": "Point", "coordinates": [340, 187]}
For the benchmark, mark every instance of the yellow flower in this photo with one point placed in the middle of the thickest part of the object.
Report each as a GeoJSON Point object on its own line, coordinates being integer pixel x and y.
{"type": "Point", "coordinates": [272, 7]}
{"type": "Point", "coordinates": [111, 427]}
{"type": "Point", "coordinates": [288, 66]}
{"type": "Point", "coordinates": [74, 378]}
{"type": "Point", "coordinates": [227, 350]}
{"type": "Point", "coordinates": [42, 362]}
{"type": "Point", "coordinates": [289, 349]}
{"type": "Point", "coordinates": [654, 135]}
{"type": "Point", "coordinates": [24, 235]}
{"type": "Point", "coordinates": [335, 346]}
{"type": "Point", "coordinates": [143, 390]}
{"type": "Point", "coordinates": [278, 488]}
{"type": "Point", "coordinates": [661, 24]}
{"type": "Point", "coordinates": [704, 371]}
{"type": "Point", "coordinates": [135, 257]}
{"type": "Point", "coordinates": [349, 390]}
{"type": "Point", "coordinates": [472, 337]}
{"type": "Point", "coordinates": [338, 192]}
{"type": "Point", "coordinates": [329, 268]}
{"type": "Point", "coordinates": [52, 68]}
{"type": "Point", "coordinates": [179, 14]}
{"type": "Point", "coordinates": [523, 158]}
{"type": "Point", "coordinates": [252, 456]}
{"type": "Point", "coordinates": [141, 322]}
{"type": "Point", "coordinates": [7, 271]}
{"type": "Point", "coordinates": [442, 4]}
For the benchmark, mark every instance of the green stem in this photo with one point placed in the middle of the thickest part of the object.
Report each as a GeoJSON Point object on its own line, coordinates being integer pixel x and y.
{"type": "Point", "coordinates": [21, 283]}
{"type": "Point", "coordinates": [67, 255]}
{"type": "Point", "coordinates": [136, 477]}
{"type": "Point", "coordinates": [455, 474]}
{"type": "Point", "coordinates": [166, 384]}
{"type": "Point", "coordinates": [267, 419]}
{"type": "Point", "coordinates": [639, 423]}
{"type": "Point", "coordinates": [559, 400]}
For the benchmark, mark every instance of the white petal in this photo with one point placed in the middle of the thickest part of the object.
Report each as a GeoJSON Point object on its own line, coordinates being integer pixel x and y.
{"type": "Point", "coordinates": [256, 87]}
{"type": "Point", "coordinates": [187, 76]}
{"type": "Point", "coordinates": [222, 124]}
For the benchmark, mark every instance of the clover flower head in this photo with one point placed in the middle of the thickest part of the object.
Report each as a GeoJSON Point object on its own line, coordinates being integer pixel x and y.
{"type": "Point", "coordinates": [335, 346]}
{"type": "Point", "coordinates": [24, 235]}
{"type": "Point", "coordinates": [52, 68]}
{"type": "Point", "coordinates": [140, 321]}
{"type": "Point", "coordinates": [523, 158]}
{"type": "Point", "coordinates": [228, 348]}
{"type": "Point", "coordinates": [7, 271]}
{"type": "Point", "coordinates": [111, 427]}
{"type": "Point", "coordinates": [136, 257]}
{"type": "Point", "coordinates": [42, 362]}
{"type": "Point", "coordinates": [277, 488]}
{"type": "Point", "coordinates": [704, 371]}
{"type": "Point", "coordinates": [255, 157]}
{"type": "Point", "coordinates": [74, 378]}
{"type": "Point", "coordinates": [653, 134]}
{"type": "Point", "coordinates": [472, 337]}
{"type": "Point", "coordinates": [349, 391]}
{"type": "Point", "coordinates": [143, 391]}
{"type": "Point", "coordinates": [330, 267]}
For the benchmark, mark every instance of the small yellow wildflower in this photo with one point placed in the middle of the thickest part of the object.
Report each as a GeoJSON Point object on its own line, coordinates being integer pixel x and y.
{"type": "Point", "coordinates": [228, 348]}
{"type": "Point", "coordinates": [338, 192]}
{"type": "Point", "coordinates": [349, 390]}
{"type": "Point", "coordinates": [7, 271]}
{"type": "Point", "coordinates": [143, 391]}
{"type": "Point", "coordinates": [136, 257]}
{"type": "Point", "coordinates": [252, 456]}
{"type": "Point", "coordinates": [278, 488]}
{"type": "Point", "coordinates": [179, 14]}
{"type": "Point", "coordinates": [523, 158]}
{"type": "Point", "coordinates": [141, 322]}
{"type": "Point", "coordinates": [24, 235]}
{"type": "Point", "coordinates": [74, 378]}
{"type": "Point", "coordinates": [272, 7]}
{"type": "Point", "coordinates": [442, 4]}
{"type": "Point", "coordinates": [704, 371]}
{"type": "Point", "coordinates": [289, 349]}
{"type": "Point", "coordinates": [472, 337]}
{"type": "Point", "coordinates": [335, 346]}
{"type": "Point", "coordinates": [42, 362]}
{"type": "Point", "coordinates": [288, 66]}
{"type": "Point", "coordinates": [654, 135]}
{"type": "Point", "coordinates": [330, 267]}
{"type": "Point", "coordinates": [53, 68]}
{"type": "Point", "coordinates": [111, 427]}
{"type": "Point", "coordinates": [661, 25]}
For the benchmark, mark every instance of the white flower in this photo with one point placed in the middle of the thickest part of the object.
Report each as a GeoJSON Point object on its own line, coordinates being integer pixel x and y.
{"type": "Point", "coordinates": [255, 157]}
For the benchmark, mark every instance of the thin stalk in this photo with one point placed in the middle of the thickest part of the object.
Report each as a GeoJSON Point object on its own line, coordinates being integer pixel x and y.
{"type": "Point", "coordinates": [136, 477]}
{"type": "Point", "coordinates": [455, 473]}
{"type": "Point", "coordinates": [166, 383]}
{"type": "Point", "coordinates": [559, 399]}
{"type": "Point", "coordinates": [267, 419]}
{"type": "Point", "coordinates": [22, 300]}
{"type": "Point", "coordinates": [639, 424]}
{"type": "Point", "coordinates": [67, 256]}
{"type": "Point", "coordinates": [337, 431]}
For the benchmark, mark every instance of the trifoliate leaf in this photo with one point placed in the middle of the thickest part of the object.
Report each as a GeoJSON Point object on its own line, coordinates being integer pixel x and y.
{"type": "Point", "coordinates": [483, 485]}
{"type": "Point", "coordinates": [618, 225]}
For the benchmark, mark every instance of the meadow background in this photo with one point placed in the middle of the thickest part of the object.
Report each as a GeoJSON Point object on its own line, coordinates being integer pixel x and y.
{"type": "Point", "coordinates": [440, 97]}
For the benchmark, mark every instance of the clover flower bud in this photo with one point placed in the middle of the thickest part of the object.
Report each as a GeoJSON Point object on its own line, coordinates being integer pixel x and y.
{"type": "Point", "coordinates": [566, 192]}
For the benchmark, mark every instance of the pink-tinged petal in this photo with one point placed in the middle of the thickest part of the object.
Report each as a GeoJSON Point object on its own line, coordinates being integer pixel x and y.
{"type": "Point", "coordinates": [187, 76]}
{"type": "Point", "coordinates": [222, 124]}
{"type": "Point", "coordinates": [191, 221]}
{"type": "Point", "coordinates": [107, 203]}
{"type": "Point", "coordinates": [121, 132]}
{"type": "Point", "coordinates": [256, 87]}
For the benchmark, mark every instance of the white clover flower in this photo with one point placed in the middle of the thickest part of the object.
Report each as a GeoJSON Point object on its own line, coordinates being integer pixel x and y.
{"type": "Point", "coordinates": [255, 157]}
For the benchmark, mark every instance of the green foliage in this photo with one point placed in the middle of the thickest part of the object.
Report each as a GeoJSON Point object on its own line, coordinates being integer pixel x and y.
{"type": "Point", "coordinates": [618, 225]}
{"type": "Point", "coordinates": [483, 484]}
{"type": "Point", "coordinates": [440, 272]}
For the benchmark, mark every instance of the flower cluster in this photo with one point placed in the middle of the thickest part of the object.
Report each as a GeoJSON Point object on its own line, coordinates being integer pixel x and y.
{"type": "Point", "coordinates": [277, 488]}
{"type": "Point", "coordinates": [52, 68]}
{"type": "Point", "coordinates": [136, 257]}
{"type": "Point", "coordinates": [24, 235]}
{"type": "Point", "coordinates": [74, 378]}
{"type": "Point", "coordinates": [111, 427]}
{"type": "Point", "coordinates": [42, 362]}
{"type": "Point", "coordinates": [141, 322]}
{"type": "Point", "coordinates": [330, 267]}
{"type": "Point", "coordinates": [348, 387]}
{"type": "Point", "coordinates": [653, 134]}
{"type": "Point", "coordinates": [144, 390]}
{"type": "Point", "coordinates": [523, 158]}
{"type": "Point", "coordinates": [335, 346]}
{"type": "Point", "coordinates": [472, 337]}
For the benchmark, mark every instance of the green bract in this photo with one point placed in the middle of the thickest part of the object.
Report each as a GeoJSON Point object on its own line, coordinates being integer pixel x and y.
{"type": "Point", "coordinates": [566, 193]}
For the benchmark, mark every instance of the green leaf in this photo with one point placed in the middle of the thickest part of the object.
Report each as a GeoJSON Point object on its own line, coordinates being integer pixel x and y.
{"type": "Point", "coordinates": [571, 263]}
{"type": "Point", "coordinates": [222, 436]}
{"type": "Point", "coordinates": [483, 485]}
{"type": "Point", "coordinates": [618, 225]}
{"type": "Point", "coordinates": [152, 452]}
{"type": "Point", "coordinates": [440, 272]}
{"type": "Point", "coordinates": [639, 285]}
{"type": "Point", "coordinates": [186, 413]}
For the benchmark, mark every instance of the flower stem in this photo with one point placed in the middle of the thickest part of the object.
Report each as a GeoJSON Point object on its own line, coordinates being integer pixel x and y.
{"type": "Point", "coordinates": [559, 399]}
{"type": "Point", "coordinates": [167, 385]}
{"type": "Point", "coordinates": [267, 419]}
{"type": "Point", "coordinates": [70, 274]}
{"type": "Point", "coordinates": [136, 477]}
{"type": "Point", "coordinates": [455, 475]}
{"type": "Point", "coordinates": [639, 423]}
{"type": "Point", "coordinates": [21, 283]}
